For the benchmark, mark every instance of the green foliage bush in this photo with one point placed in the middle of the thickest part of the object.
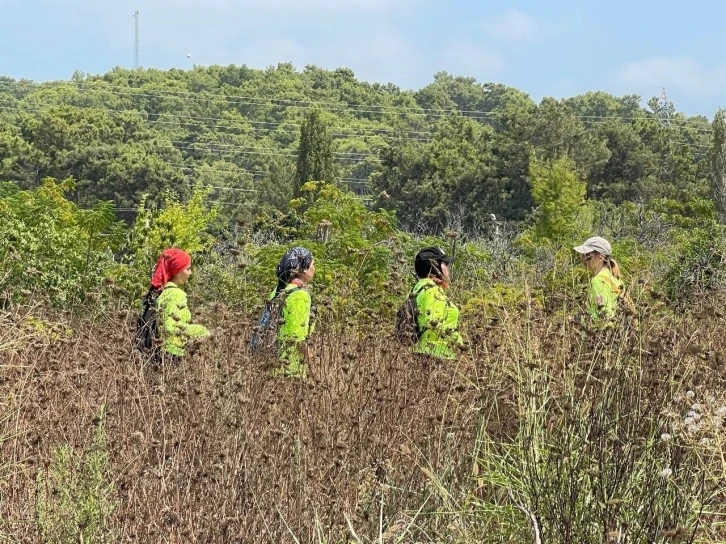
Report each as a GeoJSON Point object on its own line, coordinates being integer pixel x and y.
{"type": "Point", "coordinates": [55, 252]}
{"type": "Point", "coordinates": [596, 460]}
{"type": "Point", "coordinates": [354, 249]}
{"type": "Point", "coordinates": [184, 225]}
{"type": "Point", "coordinates": [76, 496]}
{"type": "Point", "coordinates": [51, 250]}
{"type": "Point", "coordinates": [697, 263]}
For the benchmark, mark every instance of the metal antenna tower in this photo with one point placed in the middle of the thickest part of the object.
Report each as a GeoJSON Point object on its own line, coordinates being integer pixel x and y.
{"type": "Point", "coordinates": [136, 39]}
{"type": "Point", "coordinates": [664, 110]}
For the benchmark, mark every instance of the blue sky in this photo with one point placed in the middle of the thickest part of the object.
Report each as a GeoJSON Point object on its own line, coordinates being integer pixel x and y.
{"type": "Point", "coordinates": [545, 48]}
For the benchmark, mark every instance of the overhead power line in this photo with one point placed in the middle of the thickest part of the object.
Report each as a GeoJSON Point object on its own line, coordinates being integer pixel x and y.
{"type": "Point", "coordinates": [214, 147]}
{"type": "Point", "coordinates": [191, 96]}
{"type": "Point", "coordinates": [275, 127]}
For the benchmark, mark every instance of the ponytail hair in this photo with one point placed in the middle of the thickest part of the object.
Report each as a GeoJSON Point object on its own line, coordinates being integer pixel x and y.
{"type": "Point", "coordinates": [280, 286]}
{"type": "Point", "coordinates": [614, 267]}
{"type": "Point", "coordinates": [284, 278]}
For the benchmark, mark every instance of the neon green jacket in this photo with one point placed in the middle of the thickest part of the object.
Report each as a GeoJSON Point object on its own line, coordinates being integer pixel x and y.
{"type": "Point", "coordinates": [603, 296]}
{"type": "Point", "coordinates": [438, 321]}
{"type": "Point", "coordinates": [175, 321]}
{"type": "Point", "coordinates": [297, 326]}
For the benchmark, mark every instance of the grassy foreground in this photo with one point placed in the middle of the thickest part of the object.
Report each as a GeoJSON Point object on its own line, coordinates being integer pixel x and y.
{"type": "Point", "coordinates": [539, 433]}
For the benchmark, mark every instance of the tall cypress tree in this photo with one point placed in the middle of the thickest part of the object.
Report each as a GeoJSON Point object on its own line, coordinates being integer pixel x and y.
{"type": "Point", "coordinates": [315, 157]}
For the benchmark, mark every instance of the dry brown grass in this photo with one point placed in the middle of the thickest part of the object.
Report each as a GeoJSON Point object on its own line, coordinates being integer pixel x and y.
{"type": "Point", "coordinates": [376, 443]}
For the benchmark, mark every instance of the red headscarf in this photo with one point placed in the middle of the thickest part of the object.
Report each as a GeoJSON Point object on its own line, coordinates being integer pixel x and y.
{"type": "Point", "coordinates": [170, 263]}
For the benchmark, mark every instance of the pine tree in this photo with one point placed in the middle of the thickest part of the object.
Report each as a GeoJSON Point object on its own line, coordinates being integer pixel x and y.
{"type": "Point", "coordinates": [560, 196]}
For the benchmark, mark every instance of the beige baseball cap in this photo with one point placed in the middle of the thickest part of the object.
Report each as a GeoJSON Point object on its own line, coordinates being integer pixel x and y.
{"type": "Point", "coordinates": [596, 243]}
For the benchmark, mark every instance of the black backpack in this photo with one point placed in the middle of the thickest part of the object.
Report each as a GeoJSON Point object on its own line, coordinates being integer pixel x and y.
{"type": "Point", "coordinates": [264, 335]}
{"type": "Point", "coordinates": [407, 331]}
{"type": "Point", "coordinates": [147, 327]}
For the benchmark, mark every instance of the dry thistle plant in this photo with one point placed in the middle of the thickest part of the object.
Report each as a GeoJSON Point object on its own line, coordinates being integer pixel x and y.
{"type": "Point", "coordinates": [537, 431]}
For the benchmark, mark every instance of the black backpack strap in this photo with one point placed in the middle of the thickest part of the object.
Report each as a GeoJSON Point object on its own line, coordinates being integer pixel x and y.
{"type": "Point", "coordinates": [291, 291]}
{"type": "Point", "coordinates": [149, 299]}
{"type": "Point", "coordinates": [414, 295]}
{"type": "Point", "coordinates": [149, 294]}
{"type": "Point", "coordinates": [281, 294]}
{"type": "Point", "coordinates": [285, 293]}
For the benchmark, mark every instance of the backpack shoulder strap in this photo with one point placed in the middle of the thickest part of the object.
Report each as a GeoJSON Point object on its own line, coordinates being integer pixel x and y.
{"type": "Point", "coordinates": [279, 298]}
{"type": "Point", "coordinates": [149, 299]}
{"type": "Point", "coordinates": [611, 282]}
{"type": "Point", "coordinates": [284, 293]}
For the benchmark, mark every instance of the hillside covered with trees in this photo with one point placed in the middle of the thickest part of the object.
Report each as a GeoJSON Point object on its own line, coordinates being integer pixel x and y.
{"type": "Point", "coordinates": [453, 148]}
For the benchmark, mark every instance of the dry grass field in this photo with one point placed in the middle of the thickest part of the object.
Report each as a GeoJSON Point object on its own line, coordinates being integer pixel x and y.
{"type": "Point", "coordinates": [538, 433]}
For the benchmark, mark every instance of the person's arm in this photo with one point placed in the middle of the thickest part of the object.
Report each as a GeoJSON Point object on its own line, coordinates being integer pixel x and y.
{"type": "Point", "coordinates": [443, 316]}
{"type": "Point", "coordinates": [177, 317]}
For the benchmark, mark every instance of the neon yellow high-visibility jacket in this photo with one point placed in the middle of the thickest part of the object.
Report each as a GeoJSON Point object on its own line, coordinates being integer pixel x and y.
{"type": "Point", "coordinates": [174, 320]}
{"type": "Point", "coordinates": [438, 321]}
{"type": "Point", "coordinates": [296, 328]}
{"type": "Point", "coordinates": [603, 295]}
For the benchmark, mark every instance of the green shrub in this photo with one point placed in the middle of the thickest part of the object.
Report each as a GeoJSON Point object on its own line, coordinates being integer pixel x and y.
{"type": "Point", "coordinates": [696, 264]}
{"type": "Point", "coordinates": [182, 225]}
{"type": "Point", "coordinates": [50, 250]}
{"type": "Point", "coordinates": [562, 216]}
{"type": "Point", "coordinates": [355, 250]}
{"type": "Point", "coordinates": [75, 497]}
{"type": "Point", "coordinates": [594, 458]}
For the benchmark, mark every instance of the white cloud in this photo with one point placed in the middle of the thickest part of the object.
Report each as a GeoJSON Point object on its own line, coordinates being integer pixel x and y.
{"type": "Point", "coordinates": [682, 73]}
{"type": "Point", "coordinates": [512, 25]}
{"type": "Point", "coordinates": [470, 59]}
{"type": "Point", "coordinates": [357, 34]}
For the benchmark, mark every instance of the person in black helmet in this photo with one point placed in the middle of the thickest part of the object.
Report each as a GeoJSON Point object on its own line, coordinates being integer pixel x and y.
{"type": "Point", "coordinates": [294, 272]}
{"type": "Point", "coordinates": [437, 317]}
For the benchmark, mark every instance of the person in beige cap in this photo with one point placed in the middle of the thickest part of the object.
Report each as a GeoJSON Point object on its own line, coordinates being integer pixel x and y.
{"type": "Point", "coordinates": [606, 285]}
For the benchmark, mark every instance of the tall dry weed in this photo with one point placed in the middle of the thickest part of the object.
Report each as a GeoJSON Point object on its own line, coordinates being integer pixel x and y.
{"type": "Point", "coordinates": [377, 444]}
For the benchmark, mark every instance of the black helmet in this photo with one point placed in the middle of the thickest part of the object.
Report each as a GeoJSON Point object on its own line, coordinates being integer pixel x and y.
{"type": "Point", "coordinates": [429, 260]}
{"type": "Point", "coordinates": [296, 259]}
{"type": "Point", "coordinates": [433, 254]}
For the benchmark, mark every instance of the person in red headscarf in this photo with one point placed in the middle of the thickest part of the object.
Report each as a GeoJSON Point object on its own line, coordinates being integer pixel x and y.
{"type": "Point", "coordinates": [173, 270]}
